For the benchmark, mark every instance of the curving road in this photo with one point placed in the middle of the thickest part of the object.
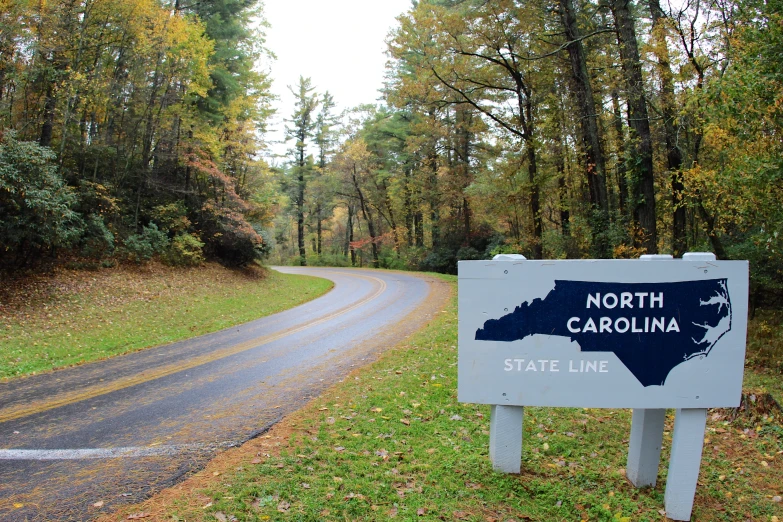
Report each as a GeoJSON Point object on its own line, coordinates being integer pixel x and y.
{"type": "Point", "coordinates": [77, 442]}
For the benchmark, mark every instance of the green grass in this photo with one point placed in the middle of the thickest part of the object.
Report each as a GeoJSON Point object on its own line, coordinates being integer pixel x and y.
{"type": "Point", "coordinates": [77, 317]}
{"type": "Point", "coordinates": [393, 442]}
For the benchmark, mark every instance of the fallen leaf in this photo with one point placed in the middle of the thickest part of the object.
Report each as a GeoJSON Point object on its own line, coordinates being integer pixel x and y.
{"type": "Point", "coordinates": [459, 515]}
{"type": "Point", "coordinates": [221, 517]}
{"type": "Point", "coordinates": [421, 511]}
{"type": "Point", "coordinates": [256, 461]}
{"type": "Point", "coordinates": [17, 505]}
{"type": "Point", "coordinates": [98, 504]}
{"type": "Point", "coordinates": [405, 421]}
{"type": "Point", "coordinates": [283, 506]}
{"type": "Point", "coordinates": [305, 485]}
{"type": "Point", "coordinates": [393, 512]}
{"type": "Point", "coordinates": [138, 516]}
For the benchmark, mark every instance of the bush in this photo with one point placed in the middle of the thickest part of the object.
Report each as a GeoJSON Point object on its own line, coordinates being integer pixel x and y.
{"type": "Point", "coordinates": [172, 217]}
{"type": "Point", "coordinates": [97, 241]}
{"type": "Point", "coordinates": [185, 250]}
{"type": "Point", "coordinates": [140, 248]}
{"type": "Point", "coordinates": [229, 237]}
{"type": "Point", "coordinates": [36, 206]}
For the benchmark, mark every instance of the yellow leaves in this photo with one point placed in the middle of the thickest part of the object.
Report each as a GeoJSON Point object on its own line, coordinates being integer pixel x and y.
{"type": "Point", "coordinates": [719, 137]}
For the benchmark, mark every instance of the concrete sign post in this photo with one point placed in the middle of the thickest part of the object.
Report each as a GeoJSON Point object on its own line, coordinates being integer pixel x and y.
{"type": "Point", "coordinates": [645, 334]}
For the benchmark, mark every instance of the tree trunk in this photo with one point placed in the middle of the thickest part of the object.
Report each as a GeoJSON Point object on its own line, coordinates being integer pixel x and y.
{"type": "Point", "coordinates": [709, 221]}
{"type": "Point", "coordinates": [589, 132]}
{"type": "Point", "coordinates": [535, 204]}
{"type": "Point", "coordinates": [673, 152]}
{"type": "Point", "coordinates": [595, 164]}
{"type": "Point", "coordinates": [418, 224]}
{"type": "Point", "coordinates": [368, 219]}
{"type": "Point", "coordinates": [48, 123]}
{"type": "Point", "coordinates": [318, 229]}
{"type": "Point", "coordinates": [622, 180]}
{"type": "Point", "coordinates": [464, 119]}
{"type": "Point", "coordinates": [300, 221]}
{"type": "Point", "coordinates": [408, 206]}
{"type": "Point", "coordinates": [434, 198]}
{"type": "Point", "coordinates": [643, 186]}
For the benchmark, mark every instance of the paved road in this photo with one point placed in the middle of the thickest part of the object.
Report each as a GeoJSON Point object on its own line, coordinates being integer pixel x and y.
{"type": "Point", "coordinates": [116, 431]}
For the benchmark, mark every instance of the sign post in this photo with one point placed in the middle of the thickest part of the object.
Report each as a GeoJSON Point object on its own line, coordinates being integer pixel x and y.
{"type": "Point", "coordinates": [646, 335]}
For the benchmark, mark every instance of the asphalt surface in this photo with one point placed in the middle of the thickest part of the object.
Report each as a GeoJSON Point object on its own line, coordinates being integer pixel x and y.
{"type": "Point", "coordinates": [79, 442]}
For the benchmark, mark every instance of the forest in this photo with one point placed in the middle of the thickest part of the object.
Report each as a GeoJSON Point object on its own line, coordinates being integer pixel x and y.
{"type": "Point", "coordinates": [133, 130]}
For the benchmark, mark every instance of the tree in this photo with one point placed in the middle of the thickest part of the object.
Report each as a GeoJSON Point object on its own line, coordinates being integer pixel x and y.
{"type": "Point", "coordinates": [325, 139]}
{"type": "Point", "coordinates": [481, 55]}
{"type": "Point", "coordinates": [642, 175]}
{"type": "Point", "coordinates": [594, 161]}
{"type": "Point", "coordinates": [302, 126]}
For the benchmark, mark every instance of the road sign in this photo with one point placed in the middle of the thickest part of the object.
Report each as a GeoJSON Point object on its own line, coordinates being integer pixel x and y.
{"type": "Point", "coordinates": [648, 335]}
{"type": "Point", "coordinates": [607, 333]}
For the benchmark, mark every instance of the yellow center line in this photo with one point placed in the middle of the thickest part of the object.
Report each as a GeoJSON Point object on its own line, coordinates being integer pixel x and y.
{"type": "Point", "coordinates": [157, 373]}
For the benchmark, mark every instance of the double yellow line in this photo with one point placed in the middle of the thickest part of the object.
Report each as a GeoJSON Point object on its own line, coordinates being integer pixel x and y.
{"type": "Point", "coordinates": [156, 373]}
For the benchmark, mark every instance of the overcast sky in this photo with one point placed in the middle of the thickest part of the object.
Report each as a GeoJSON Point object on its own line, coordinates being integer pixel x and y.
{"type": "Point", "coordinates": [339, 44]}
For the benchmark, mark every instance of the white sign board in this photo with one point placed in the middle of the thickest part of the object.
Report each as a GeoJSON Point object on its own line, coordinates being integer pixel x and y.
{"type": "Point", "coordinates": [602, 333]}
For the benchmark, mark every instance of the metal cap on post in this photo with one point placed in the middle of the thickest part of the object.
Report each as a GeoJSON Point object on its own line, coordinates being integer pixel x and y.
{"type": "Point", "coordinates": [509, 257]}
{"type": "Point", "coordinates": [699, 256]}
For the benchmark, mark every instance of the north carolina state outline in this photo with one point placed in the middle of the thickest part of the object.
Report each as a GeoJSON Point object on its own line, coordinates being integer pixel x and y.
{"type": "Point", "coordinates": [651, 327]}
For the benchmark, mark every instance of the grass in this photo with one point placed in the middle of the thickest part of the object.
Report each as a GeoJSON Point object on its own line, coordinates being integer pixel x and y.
{"type": "Point", "coordinates": [392, 442]}
{"type": "Point", "coordinates": [73, 317]}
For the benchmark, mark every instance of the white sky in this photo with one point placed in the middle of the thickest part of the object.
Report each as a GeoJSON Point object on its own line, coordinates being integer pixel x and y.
{"type": "Point", "coordinates": [339, 44]}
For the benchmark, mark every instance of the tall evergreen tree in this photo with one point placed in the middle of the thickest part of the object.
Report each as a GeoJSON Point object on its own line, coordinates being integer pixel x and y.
{"type": "Point", "coordinates": [302, 125]}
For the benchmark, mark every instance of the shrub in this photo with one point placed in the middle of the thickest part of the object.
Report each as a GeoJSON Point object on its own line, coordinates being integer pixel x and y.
{"type": "Point", "coordinates": [97, 241]}
{"type": "Point", "coordinates": [185, 250]}
{"type": "Point", "coordinates": [140, 248]}
{"type": "Point", "coordinates": [172, 217]}
{"type": "Point", "coordinates": [36, 206]}
{"type": "Point", "coordinates": [229, 237]}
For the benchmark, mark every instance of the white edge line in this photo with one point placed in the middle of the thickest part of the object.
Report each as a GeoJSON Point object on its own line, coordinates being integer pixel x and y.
{"type": "Point", "coordinates": [106, 453]}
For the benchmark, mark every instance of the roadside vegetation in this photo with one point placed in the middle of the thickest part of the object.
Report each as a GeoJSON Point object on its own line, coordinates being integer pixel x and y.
{"type": "Point", "coordinates": [392, 442]}
{"type": "Point", "coordinates": [76, 316]}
